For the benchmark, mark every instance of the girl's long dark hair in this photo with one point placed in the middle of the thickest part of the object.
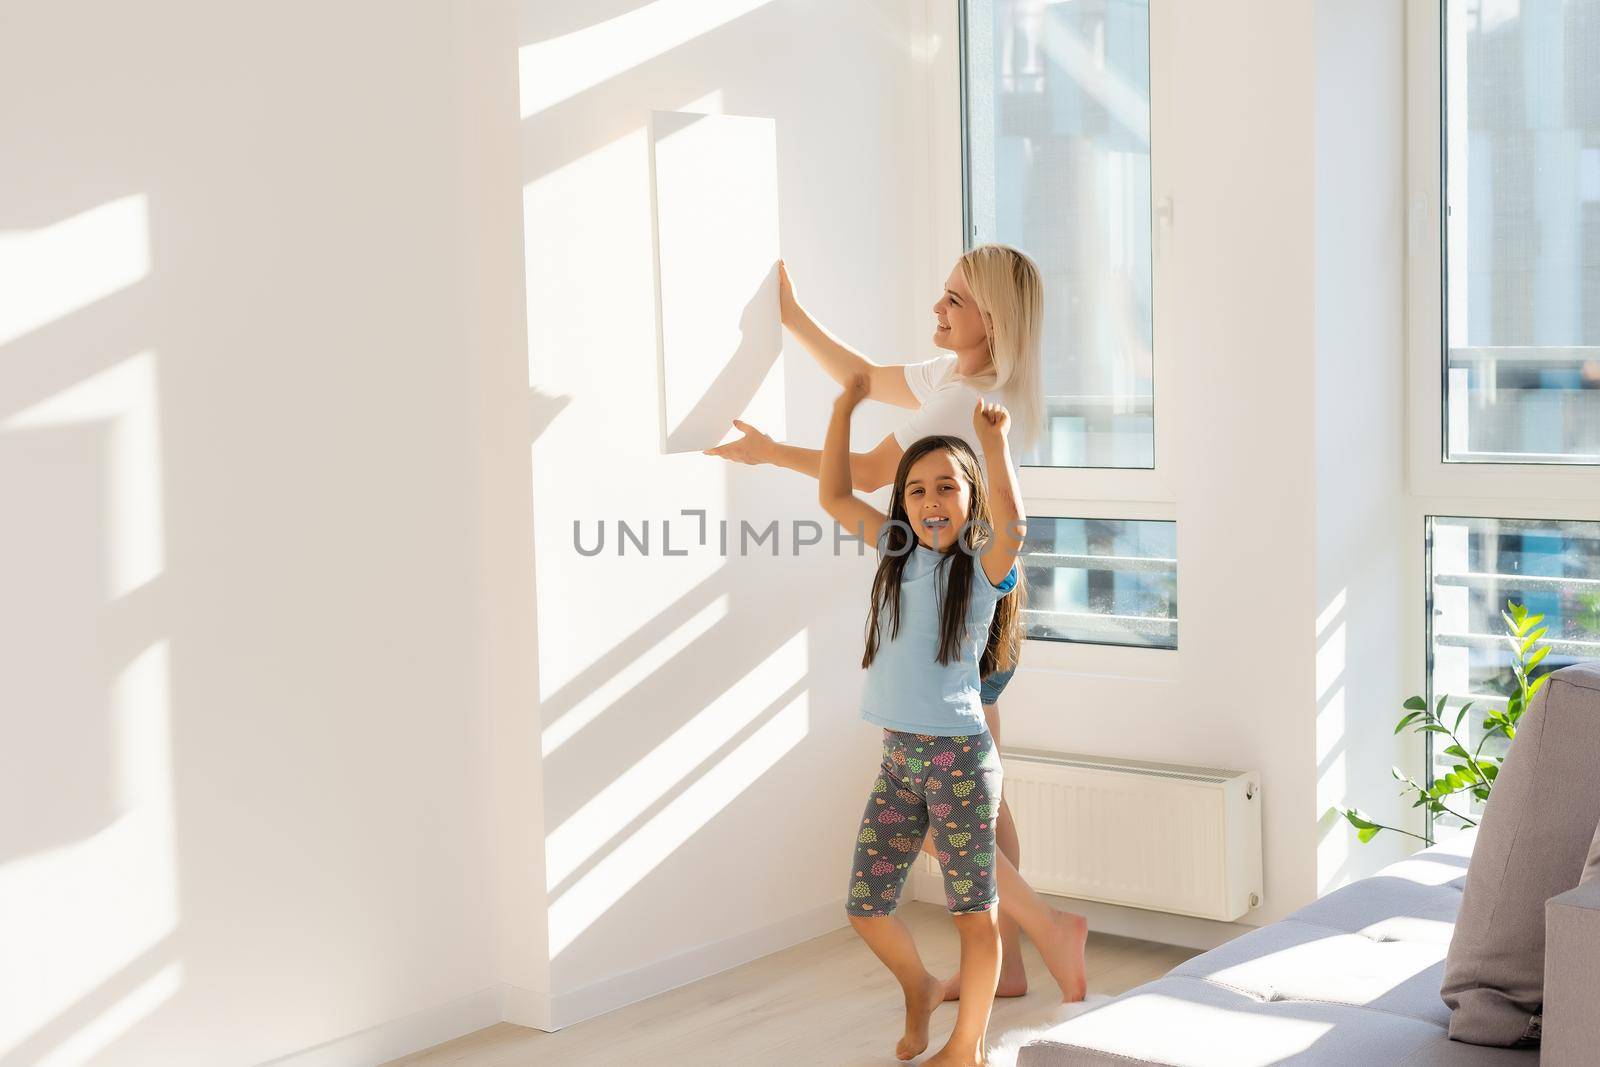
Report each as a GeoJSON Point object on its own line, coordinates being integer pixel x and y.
{"type": "Point", "coordinates": [955, 591]}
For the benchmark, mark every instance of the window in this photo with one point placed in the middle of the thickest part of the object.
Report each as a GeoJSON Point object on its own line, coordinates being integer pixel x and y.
{"type": "Point", "coordinates": [1102, 581]}
{"type": "Point", "coordinates": [1550, 567]}
{"type": "Point", "coordinates": [1522, 231]}
{"type": "Point", "coordinates": [1504, 319]}
{"type": "Point", "coordinates": [1057, 145]}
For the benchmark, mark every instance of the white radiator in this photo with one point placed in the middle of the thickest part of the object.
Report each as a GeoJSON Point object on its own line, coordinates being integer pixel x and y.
{"type": "Point", "coordinates": [1185, 840]}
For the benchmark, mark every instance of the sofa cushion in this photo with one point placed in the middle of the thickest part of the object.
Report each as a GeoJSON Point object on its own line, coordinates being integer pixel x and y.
{"type": "Point", "coordinates": [1350, 980]}
{"type": "Point", "coordinates": [1296, 961]}
{"type": "Point", "coordinates": [1191, 1022]}
{"type": "Point", "coordinates": [1415, 899]}
{"type": "Point", "coordinates": [1531, 844]}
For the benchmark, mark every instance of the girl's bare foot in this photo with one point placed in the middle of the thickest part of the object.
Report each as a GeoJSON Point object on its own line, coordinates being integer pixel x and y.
{"type": "Point", "coordinates": [949, 1057]}
{"type": "Point", "coordinates": [919, 1006]}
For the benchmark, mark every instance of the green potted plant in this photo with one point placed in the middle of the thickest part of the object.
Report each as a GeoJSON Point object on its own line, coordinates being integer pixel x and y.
{"type": "Point", "coordinates": [1473, 774]}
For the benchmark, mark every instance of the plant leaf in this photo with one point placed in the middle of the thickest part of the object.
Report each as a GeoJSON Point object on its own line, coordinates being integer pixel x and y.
{"type": "Point", "coordinates": [1415, 704]}
{"type": "Point", "coordinates": [1406, 720]}
{"type": "Point", "coordinates": [1355, 819]}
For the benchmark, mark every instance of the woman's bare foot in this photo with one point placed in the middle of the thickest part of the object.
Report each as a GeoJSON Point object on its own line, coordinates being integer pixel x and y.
{"type": "Point", "coordinates": [919, 1006]}
{"type": "Point", "coordinates": [1013, 981]}
{"type": "Point", "coordinates": [1067, 959]}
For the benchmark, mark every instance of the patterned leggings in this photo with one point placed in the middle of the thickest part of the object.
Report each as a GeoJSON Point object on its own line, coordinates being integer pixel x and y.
{"type": "Point", "coordinates": [951, 784]}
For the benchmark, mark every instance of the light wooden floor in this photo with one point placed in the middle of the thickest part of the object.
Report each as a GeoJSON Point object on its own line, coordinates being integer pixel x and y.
{"type": "Point", "coordinates": [825, 1002]}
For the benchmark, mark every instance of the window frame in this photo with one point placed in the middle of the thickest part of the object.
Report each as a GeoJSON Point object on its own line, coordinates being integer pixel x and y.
{"type": "Point", "coordinates": [1508, 484]}
{"type": "Point", "coordinates": [949, 155]}
{"type": "Point", "coordinates": [1066, 492]}
{"type": "Point", "coordinates": [1438, 488]}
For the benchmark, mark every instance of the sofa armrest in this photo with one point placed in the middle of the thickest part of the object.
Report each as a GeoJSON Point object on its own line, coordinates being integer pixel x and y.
{"type": "Point", "coordinates": [1572, 975]}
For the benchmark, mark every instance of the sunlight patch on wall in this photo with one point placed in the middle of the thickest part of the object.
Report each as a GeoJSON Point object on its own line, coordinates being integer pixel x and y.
{"type": "Point", "coordinates": [614, 877]}
{"type": "Point", "coordinates": [124, 396]}
{"type": "Point", "coordinates": [593, 825]}
{"type": "Point", "coordinates": [594, 703]}
{"type": "Point", "coordinates": [50, 272]}
{"type": "Point", "coordinates": [560, 68]}
{"type": "Point", "coordinates": [72, 917]}
{"type": "Point", "coordinates": [95, 1037]}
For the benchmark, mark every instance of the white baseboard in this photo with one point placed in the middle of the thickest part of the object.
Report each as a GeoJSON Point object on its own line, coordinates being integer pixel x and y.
{"type": "Point", "coordinates": [691, 966]}
{"type": "Point", "coordinates": [1182, 930]}
{"type": "Point", "coordinates": [403, 1036]}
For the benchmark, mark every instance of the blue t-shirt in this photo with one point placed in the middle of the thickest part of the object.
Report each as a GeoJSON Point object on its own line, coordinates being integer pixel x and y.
{"type": "Point", "coordinates": [907, 688]}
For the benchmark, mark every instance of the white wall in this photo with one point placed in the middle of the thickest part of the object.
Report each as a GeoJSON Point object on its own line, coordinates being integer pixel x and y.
{"type": "Point", "coordinates": [1368, 559]}
{"type": "Point", "coordinates": [703, 813]}
{"type": "Point", "coordinates": [262, 274]}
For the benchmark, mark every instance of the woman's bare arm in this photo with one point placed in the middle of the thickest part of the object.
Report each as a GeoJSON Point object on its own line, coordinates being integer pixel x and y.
{"type": "Point", "coordinates": [887, 382]}
{"type": "Point", "coordinates": [868, 470]}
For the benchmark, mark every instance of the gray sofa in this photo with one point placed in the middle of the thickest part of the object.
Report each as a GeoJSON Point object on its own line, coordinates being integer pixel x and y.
{"type": "Point", "coordinates": [1354, 979]}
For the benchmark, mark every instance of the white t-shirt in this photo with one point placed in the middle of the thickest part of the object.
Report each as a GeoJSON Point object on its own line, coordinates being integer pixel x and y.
{"type": "Point", "coordinates": [947, 403]}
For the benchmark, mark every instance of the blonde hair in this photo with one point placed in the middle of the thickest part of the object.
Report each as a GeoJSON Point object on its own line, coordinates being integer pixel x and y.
{"type": "Point", "coordinates": [1007, 287]}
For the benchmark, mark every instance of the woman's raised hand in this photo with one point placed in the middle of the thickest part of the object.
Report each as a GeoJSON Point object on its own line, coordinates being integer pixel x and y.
{"type": "Point", "coordinates": [990, 421]}
{"type": "Point", "coordinates": [753, 448]}
{"type": "Point", "coordinates": [787, 304]}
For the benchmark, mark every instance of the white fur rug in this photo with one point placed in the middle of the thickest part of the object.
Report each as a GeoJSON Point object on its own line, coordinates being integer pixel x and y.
{"type": "Point", "coordinates": [1003, 1050]}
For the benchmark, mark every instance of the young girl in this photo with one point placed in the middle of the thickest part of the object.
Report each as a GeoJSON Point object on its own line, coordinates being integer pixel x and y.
{"type": "Point", "coordinates": [948, 553]}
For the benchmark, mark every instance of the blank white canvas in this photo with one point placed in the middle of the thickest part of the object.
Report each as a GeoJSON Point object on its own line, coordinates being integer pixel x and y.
{"type": "Point", "coordinates": [715, 181]}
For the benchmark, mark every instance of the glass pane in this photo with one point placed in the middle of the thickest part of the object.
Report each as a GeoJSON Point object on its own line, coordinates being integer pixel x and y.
{"type": "Point", "coordinates": [1550, 567]}
{"type": "Point", "coordinates": [1058, 154]}
{"type": "Point", "coordinates": [1522, 274]}
{"type": "Point", "coordinates": [1103, 581]}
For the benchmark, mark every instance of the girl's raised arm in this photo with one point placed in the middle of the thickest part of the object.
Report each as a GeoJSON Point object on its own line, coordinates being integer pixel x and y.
{"type": "Point", "coordinates": [886, 382]}
{"type": "Point", "coordinates": [834, 490]}
{"type": "Point", "coordinates": [991, 421]}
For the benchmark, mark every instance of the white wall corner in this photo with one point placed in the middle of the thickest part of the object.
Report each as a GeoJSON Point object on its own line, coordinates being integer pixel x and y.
{"type": "Point", "coordinates": [525, 1007]}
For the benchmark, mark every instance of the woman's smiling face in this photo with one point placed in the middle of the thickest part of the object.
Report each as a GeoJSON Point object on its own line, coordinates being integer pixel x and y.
{"type": "Point", "coordinates": [937, 500]}
{"type": "Point", "coordinates": [959, 326]}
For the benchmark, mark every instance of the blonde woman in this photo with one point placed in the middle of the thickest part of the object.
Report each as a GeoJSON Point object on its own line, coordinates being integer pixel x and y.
{"type": "Point", "coordinates": [988, 321]}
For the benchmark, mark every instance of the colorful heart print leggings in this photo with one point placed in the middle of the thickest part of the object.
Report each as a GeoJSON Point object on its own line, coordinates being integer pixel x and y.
{"type": "Point", "coordinates": [948, 784]}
